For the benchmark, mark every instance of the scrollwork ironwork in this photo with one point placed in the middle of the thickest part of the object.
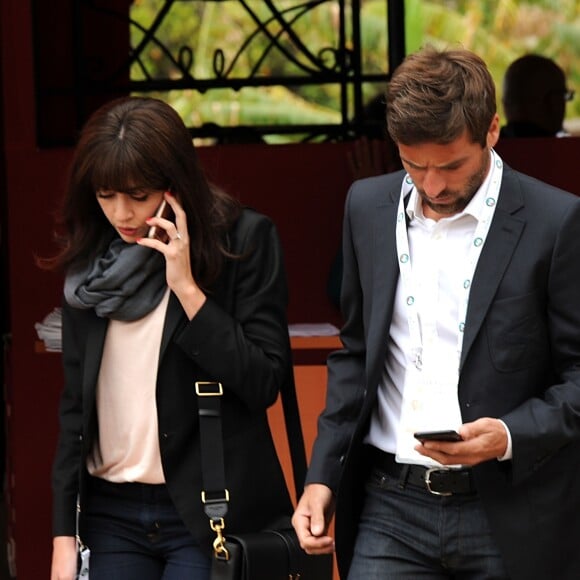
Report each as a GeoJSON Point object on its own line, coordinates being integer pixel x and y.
{"type": "Point", "coordinates": [271, 51]}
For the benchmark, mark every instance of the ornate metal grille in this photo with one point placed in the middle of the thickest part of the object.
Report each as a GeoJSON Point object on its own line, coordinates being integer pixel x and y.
{"type": "Point", "coordinates": [272, 47]}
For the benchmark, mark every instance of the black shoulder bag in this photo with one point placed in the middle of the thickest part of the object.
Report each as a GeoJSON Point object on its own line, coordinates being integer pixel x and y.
{"type": "Point", "coordinates": [271, 554]}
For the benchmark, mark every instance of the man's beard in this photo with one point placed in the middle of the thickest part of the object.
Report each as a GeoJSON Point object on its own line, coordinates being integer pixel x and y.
{"type": "Point", "coordinates": [461, 201]}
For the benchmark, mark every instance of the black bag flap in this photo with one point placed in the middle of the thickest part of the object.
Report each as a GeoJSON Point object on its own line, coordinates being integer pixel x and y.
{"type": "Point", "coordinates": [277, 555]}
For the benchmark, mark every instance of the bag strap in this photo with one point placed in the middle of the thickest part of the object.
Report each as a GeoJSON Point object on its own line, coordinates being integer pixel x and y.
{"type": "Point", "coordinates": [215, 495]}
{"type": "Point", "coordinates": [294, 433]}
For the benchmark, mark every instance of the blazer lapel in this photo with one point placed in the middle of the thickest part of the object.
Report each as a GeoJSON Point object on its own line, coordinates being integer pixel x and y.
{"type": "Point", "coordinates": [504, 234]}
{"type": "Point", "coordinates": [96, 332]}
{"type": "Point", "coordinates": [385, 276]}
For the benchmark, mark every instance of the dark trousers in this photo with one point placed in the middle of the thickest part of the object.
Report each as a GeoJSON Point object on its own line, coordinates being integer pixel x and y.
{"type": "Point", "coordinates": [135, 533]}
{"type": "Point", "coordinates": [406, 532]}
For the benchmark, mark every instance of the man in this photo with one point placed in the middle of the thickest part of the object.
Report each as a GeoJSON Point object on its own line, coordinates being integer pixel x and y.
{"type": "Point", "coordinates": [461, 302]}
{"type": "Point", "coordinates": [534, 98]}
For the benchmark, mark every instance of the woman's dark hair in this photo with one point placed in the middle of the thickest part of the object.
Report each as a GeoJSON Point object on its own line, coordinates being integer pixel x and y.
{"type": "Point", "coordinates": [141, 144]}
{"type": "Point", "coordinates": [435, 96]}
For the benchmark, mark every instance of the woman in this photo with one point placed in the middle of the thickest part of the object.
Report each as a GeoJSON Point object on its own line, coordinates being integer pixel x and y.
{"type": "Point", "coordinates": [144, 318]}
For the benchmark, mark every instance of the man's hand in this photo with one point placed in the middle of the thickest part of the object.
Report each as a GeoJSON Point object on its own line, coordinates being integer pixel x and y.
{"type": "Point", "coordinates": [483, 440]}
{"type": "Point", "coordinates": [312, 518]}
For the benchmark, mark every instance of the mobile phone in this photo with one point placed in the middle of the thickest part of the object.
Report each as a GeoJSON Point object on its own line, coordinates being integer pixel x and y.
{"type": "Point", "coordinates": [163, 211]}
{"type": "Point", "coordinates": [444, 435]}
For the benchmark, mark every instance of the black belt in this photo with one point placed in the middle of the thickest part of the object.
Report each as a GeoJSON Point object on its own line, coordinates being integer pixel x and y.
{"type": "Point", "coordinates": [435, 480]}
{"type": "Point", "coordinates": [128, 490]}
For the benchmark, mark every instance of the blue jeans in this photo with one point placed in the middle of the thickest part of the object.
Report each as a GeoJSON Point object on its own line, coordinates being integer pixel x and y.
{"type": "Point", "coordinates": [135, 533]}
{"type": "Point", "coordinates": [407, 533]}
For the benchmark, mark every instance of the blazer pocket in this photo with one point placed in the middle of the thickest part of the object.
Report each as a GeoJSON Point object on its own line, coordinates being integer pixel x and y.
{"type": "Point", "coordinates": [517, 333]}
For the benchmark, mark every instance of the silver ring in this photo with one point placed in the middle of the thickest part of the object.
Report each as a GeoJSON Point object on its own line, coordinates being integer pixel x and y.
{"type": "Point", "coordinates": [177, 236]}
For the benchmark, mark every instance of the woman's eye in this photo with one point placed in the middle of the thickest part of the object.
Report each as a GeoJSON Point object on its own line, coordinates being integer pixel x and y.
{"type": "Point", "coordinates": [139, 194]}
{"type": "Point", "coordinates": [104, 195]}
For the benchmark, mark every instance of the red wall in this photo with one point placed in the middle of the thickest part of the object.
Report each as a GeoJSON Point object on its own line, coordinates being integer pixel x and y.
{"type": "Point", "coordinates": [301, 187]}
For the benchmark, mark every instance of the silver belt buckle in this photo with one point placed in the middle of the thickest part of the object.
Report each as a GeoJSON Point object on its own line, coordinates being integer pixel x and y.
{"type": "Point", "coordinates": [428, 473]}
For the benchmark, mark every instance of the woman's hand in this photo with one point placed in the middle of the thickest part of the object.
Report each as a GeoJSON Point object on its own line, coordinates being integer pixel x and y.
{"type": "Point", "coordinates": [178, 263]}
{"type": "Point", "coordinates": [64, 558]}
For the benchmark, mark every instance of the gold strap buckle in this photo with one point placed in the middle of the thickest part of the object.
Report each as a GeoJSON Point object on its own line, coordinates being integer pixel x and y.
{"type": "Point", "coordinates": [206, 499]}
{"type": "Point", "coordinates": [202, 389]}
{"type": "Point", "coordinates": [219, 544]}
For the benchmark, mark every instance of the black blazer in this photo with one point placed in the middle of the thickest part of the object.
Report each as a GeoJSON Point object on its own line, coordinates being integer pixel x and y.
{"type": "Point", "coordinates": [240, 338]}
{"type": "Point", "coordinates": [520, 363]}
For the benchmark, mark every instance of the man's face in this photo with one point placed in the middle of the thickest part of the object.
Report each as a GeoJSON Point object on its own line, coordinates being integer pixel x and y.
{"type": "Point", "coordinates": [448, 176]}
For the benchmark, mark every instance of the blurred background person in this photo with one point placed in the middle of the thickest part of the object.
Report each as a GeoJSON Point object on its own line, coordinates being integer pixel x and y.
{"type": "Point", "coordinates": [534, 98]}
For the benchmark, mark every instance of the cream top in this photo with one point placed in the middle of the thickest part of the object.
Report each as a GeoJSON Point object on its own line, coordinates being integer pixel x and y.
{"type": "Point", "coordinates": [127, 447]}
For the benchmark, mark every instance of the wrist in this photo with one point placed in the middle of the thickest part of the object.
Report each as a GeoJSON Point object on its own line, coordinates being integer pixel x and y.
{"type": "Point", "coordinates": [192, 298]}
{"type": "Point", "coordinates": [63, 540]}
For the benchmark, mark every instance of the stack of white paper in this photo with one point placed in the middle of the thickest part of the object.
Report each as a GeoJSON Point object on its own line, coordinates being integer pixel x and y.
{"type": "Point", "coordinates": [50, 330]}
{"type": "Point", "coordinates": [313, 329]}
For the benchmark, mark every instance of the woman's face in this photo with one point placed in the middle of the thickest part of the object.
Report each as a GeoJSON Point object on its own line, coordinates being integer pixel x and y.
{"type": "Point", "coordinates": [127, 212]}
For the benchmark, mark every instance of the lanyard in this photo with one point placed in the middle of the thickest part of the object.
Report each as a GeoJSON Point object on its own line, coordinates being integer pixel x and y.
{"type": "Point", "coordinates": [408, 278]}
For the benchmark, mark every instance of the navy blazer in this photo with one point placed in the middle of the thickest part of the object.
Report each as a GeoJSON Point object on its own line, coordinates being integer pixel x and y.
{"type": "Point", "coordinates": [520, 363]}
{"type": "Point", "coordinates": [239, 338]}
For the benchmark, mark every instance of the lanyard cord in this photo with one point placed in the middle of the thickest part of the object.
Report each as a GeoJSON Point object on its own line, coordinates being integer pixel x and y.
{"type": "Point", "coordinates": [408, 278]}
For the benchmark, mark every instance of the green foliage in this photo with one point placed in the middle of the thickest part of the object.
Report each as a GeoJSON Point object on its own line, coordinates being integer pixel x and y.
{"type": "Point", "coordinates": [498, 30]}
{"type": "Point", "coordinates": [271, 105]}
{"type": "Point", "coordinates": [502, 30]}
{"type": "Point", "coordinates": [209, 28]}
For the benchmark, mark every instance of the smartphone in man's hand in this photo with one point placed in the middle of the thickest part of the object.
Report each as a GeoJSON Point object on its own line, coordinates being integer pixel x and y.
{"type": "Point", "coordinates": [443, 435]}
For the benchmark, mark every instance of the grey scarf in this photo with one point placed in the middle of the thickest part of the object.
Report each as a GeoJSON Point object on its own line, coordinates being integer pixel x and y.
{"type": "Point", "coordinates": [125, 283]}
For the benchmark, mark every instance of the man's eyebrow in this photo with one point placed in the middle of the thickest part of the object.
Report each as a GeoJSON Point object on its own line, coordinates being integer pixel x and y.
{"type": "Point", "coordinates": [451, 165]}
